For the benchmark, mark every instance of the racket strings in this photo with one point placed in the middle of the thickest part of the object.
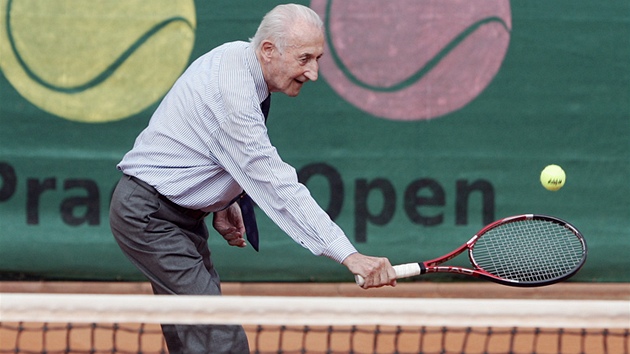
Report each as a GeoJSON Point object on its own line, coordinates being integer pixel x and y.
{"type": "Point", "coordinates": [532, 250]}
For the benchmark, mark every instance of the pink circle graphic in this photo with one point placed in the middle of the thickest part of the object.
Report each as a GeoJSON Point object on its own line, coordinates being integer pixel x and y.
{"type": "Point", "coordinates": [412, 59]}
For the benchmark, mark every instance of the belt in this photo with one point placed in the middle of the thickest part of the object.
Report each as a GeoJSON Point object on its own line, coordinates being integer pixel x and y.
{"type": "Point", "coordinates": [195, 214]}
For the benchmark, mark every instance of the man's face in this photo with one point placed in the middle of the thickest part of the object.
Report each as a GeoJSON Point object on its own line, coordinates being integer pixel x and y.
{"type": "Point", "coordinates": [288, 70]}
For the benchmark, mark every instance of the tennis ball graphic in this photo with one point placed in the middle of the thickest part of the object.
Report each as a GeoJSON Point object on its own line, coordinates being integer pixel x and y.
{"type": "Point", "coordinates": [412, 59]}
{"type": "Point", "coordinates": [95, 61]}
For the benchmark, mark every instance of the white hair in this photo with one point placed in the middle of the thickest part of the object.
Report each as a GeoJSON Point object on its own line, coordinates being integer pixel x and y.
{"type": "Point", "coordinates": [277, 23]}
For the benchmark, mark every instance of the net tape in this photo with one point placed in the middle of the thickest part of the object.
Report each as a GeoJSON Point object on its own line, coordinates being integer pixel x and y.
{"type": "Point", "coordinates": [280, 310]}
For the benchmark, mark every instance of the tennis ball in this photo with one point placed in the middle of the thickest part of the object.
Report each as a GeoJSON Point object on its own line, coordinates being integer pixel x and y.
{"type": "Point", "coordinates": [552, 177]}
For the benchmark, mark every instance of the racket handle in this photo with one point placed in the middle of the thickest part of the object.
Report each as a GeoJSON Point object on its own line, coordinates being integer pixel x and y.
{"type": "Point", "coordinates": [407, 270]}
{"type": "Point", "coordinates": [402, 271]}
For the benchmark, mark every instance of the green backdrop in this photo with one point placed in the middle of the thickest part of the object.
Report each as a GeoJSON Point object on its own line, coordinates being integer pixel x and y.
{"type": "Point", "coordinates": [72, 103]}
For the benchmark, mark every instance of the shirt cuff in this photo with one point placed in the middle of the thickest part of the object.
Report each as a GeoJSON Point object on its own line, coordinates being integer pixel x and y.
{"type": "Point", "coordinates": [339, 249]}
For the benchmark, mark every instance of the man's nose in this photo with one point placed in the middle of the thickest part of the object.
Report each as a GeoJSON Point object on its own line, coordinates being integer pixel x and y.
{"type": "Point", "coordinates": [312, 71]}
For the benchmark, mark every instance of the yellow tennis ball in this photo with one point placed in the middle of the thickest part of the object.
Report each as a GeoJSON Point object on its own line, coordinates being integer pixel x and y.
{"type": "Point", "coordinates": [553, 177]}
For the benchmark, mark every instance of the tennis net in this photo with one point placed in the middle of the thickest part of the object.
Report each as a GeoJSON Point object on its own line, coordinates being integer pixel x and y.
{"type": "Point", "coordinates": [88, 323]}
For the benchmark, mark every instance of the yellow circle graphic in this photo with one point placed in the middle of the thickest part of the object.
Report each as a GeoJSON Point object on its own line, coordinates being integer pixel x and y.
{"type": "Point", "coordinates": [95, 61]}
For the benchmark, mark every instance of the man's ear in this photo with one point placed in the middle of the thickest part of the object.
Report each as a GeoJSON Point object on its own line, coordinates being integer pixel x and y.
{"type": "Point", "coordinates": [266, 49]}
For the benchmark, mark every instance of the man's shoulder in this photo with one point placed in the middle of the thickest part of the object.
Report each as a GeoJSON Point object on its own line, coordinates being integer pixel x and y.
{"type": "Point", "coordinates": [232, 48]}
{"type": "Point", "coordinates": [227, 55]}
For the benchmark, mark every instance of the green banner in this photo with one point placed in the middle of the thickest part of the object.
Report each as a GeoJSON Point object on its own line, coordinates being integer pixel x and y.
{"type": "Point", "coordinates": [428, 121]}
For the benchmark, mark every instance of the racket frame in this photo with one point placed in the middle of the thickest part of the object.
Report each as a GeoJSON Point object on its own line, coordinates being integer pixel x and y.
{"type": "Point", "coordinates": [434, 265]}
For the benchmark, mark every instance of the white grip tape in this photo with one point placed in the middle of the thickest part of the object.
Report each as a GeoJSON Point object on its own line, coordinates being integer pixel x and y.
{"type": "Point", "coordinates": [407, 270]}
{"type": "Point", "coordinates": [402, 271]}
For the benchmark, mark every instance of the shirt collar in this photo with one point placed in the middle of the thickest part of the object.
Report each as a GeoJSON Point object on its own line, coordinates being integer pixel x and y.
{"type": "Point", "coordinates": [256, 69]}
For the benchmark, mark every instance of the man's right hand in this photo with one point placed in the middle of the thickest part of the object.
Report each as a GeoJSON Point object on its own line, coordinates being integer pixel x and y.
{"type": "Point", "coordinates": [376, 271]}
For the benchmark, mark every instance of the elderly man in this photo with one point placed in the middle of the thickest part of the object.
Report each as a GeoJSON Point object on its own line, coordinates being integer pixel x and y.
{"type": "Point", "coordinates": [206, 145]}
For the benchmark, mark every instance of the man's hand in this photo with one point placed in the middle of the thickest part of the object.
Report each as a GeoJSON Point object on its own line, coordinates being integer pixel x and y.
{"type": "Point", "coordinates": [376, 271]}
{"type": "Point", "coordinates": [229, 223]}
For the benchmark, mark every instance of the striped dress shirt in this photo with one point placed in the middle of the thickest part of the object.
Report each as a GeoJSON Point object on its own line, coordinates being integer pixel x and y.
{"type": "Point", "coordinates": [207, 142]}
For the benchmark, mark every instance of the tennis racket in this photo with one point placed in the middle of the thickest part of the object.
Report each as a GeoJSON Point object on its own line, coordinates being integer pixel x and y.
{"type": "Point", "coordinates": [523, 250]}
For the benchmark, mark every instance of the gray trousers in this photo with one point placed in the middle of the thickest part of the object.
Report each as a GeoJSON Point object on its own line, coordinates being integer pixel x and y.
{"type": "Point", "coordinates": [169, 245]}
